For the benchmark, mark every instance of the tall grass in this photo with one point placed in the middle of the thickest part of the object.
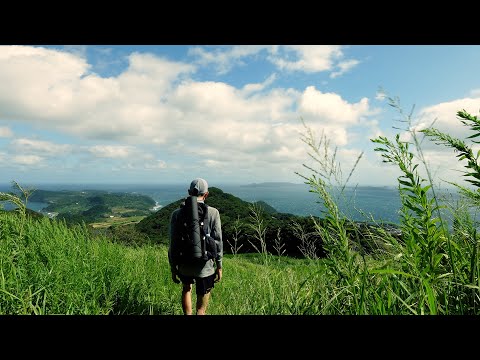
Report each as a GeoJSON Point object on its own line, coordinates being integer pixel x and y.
{"type": "Point", "coordinates": [259, 242]}
{"type": "Point", "coordinates": [49, 268]}
{"type": "Point", "coordinates": [345, 266]}
{"type": "Point", "coordinates": [429, 269]}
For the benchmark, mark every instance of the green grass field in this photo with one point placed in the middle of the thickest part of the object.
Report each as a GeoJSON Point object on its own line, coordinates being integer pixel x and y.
{"type": "Point", "coordinates": [117, 221]}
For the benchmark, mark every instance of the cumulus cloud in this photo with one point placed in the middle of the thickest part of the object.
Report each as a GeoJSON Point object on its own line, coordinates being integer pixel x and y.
{"type": "Point", "coordinates": [55, 89]}
{"type": "Point", "coordinates": [307, 58]}
{"type": "Point", "coordinates": [331, 107]}
{"type": "Point", "coordinates": [344, 66]}
{"type": "Point", "coordinates": [158, 164]}
{"type": "Point", "coordinates": [111, 151]}
{"type": "Point", "coordinates": [312, 59]}
{"type": "Point", "coordinates": [37, 80]}
{"type": "Point", "coordinates": [440, 157]}
{"type": "Point", "coordinates": [5, 132]}
{"type": "Point", "coordinates": [332, 113]}
{"type": "Point", "coordinates": [153, 103]}
{"type": "Point", "coordinates": [225, 58]}
{"type": "Point", "coordinates": [250, 88]}
{"type": "Point", "coordinates": [25, 145]}
{"type": "Point", "coordinates": [442, 161]}
{"type": "Point", "coordinates": [443, 116]}
{"type": "Point", "coordinates": [27, 159]}
{"type": "Point", "coordinates": [304, 58]}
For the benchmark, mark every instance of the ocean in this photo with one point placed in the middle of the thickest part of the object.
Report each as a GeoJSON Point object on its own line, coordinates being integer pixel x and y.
{"type": "Point", "coordinates": [358, 203]}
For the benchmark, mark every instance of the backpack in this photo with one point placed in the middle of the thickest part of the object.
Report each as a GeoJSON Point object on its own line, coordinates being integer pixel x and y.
{"type": "Point", "coordinates": [192, 226]}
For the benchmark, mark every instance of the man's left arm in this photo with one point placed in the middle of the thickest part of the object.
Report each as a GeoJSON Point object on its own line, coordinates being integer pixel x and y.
{"type": "Point", "coordinates": [217, 235]}
{"type": "Point", "coordinates": [219, 242]}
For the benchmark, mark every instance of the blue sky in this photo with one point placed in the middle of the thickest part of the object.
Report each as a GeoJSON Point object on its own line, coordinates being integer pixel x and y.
{"type": "Point", "coordinates": [230, 114]}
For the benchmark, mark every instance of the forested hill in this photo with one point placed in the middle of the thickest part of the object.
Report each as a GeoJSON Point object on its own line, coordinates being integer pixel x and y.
{"type": "Point", "coordinates": [235, 214]}
{"type": "Point", "coordinates": [229, 206]}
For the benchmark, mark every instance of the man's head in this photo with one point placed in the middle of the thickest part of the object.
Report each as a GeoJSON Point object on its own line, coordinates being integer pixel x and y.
{"type": "Point", "coordinates": [198, 187]}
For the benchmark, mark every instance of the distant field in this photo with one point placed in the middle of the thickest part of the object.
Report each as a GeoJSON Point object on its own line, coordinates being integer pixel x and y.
{"type": "Point", "coordinates": [117, 221]}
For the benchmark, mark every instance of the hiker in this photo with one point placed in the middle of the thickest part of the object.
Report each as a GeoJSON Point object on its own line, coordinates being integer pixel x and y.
{"type": "Point", "coordinates": [201, 272]}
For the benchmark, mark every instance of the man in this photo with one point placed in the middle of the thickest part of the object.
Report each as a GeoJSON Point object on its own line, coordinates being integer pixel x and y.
{"type": "Point", "coordinates": [202, 273]}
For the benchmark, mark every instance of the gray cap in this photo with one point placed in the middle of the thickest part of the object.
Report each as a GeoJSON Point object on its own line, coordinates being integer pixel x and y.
{"type": "Point", "coordinates": [198, 186]}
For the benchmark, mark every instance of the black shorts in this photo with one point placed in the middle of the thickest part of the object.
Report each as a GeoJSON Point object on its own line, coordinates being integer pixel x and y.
{"type": "Point", "coordinates": [203, 285]}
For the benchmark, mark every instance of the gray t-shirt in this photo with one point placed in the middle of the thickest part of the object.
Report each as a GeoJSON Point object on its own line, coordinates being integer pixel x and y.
{"type": "Point", "coordinates": [201, 269]}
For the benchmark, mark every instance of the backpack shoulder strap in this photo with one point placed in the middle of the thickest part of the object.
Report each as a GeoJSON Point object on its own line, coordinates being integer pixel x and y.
{"type": "Point", "coordinates": [180, 214]}
{"type": "Point", "coordinates": [204, 218]}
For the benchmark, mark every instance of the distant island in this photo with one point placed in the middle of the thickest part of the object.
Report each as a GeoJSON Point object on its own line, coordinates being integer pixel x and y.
{"type": "Point", "coordinates": [94, 205]}
{"type": "Point", "coordinates": [272, 184]}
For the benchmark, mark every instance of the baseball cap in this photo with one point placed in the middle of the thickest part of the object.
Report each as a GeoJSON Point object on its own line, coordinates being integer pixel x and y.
{"type": "Point", "coordinates": [198, 186]}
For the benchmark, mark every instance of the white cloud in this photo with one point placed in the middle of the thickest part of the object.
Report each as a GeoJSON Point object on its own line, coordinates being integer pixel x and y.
{"type": "Point", "coordinates": [225, 58]}
{"type": "Point", "coordinates": [331, 107]}
{"type": "Point", "coordinates": [344, 67]}
{"type": "Point", "coordinates": [250, 88]}
{"type": "Point", "coordinates": [158, 164]}
{"type": "Point", "coordinates": [27, 159]}
{"type": "Point", "coordinates": [111, 151]}
{"type": "Point", "coordinates": [209, 163]}
{"type": "Point", "coordinates": [441, 160]}
{"type": "Point", "coordinates": [37, 81]}
{"type": "Point", "coordinates": [53, 89]}
{"type": "Point", "coordinates": [332, 113]}
{"type": "Point", "coordinates": [25, 145]}
{"type": "Point", "coordinates": [305, 58]}
{"type": "Point", "coordinates": [149, 74]}
{"type": "Point", "coordinates": [5, 132]}
{"type": "Point", "coordinates": [443, 116]}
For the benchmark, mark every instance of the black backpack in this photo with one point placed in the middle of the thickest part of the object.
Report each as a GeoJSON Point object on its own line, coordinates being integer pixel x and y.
{"type": "Point", "coordinates": [192, 226]}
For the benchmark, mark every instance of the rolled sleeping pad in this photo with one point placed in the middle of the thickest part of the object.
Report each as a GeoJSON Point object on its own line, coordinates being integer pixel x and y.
{"type": "Point", "coordinates": [193, 226]}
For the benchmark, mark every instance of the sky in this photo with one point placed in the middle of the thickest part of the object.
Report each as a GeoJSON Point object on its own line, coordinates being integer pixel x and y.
{"type": "Point", "coordinates": [158, 114]}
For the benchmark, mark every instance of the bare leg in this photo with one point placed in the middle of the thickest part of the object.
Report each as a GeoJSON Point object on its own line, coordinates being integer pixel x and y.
{"type": "Point", "coordinates": [187, 299]}
{"type": "Point", "coordinates": [202, 302]}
